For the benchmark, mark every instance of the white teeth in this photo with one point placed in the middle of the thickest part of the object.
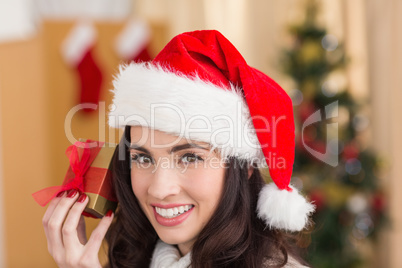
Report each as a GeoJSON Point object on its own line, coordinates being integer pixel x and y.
{"type": "Point", "coordinates": [181, 209]}
{"type": "Point", "coordinates": [172, 212]}
{"type": "Point", "coordinates": [164, 212]}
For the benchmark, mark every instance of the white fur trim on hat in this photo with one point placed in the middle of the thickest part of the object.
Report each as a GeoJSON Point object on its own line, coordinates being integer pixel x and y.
{"type": "Point", "coordinates": [283, 209]}
{"type": "Point", "coordinates": [188, 107]}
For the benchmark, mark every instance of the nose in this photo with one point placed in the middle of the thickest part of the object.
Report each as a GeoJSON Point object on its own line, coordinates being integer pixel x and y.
{"type": "Point", "coordinates": [164, 183]}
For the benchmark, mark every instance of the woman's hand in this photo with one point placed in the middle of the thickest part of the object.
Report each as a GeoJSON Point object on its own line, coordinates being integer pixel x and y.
{"type": "Point", "coordinates": [65, 232]}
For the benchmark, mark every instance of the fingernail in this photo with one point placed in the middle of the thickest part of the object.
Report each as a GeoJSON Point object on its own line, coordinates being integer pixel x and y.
{"type": "Point", "coordinates": [109, 213]}
{"type": "Point", "coordinates": [60, 194]}
{"type": "Point", "coordinates": [71, 193]}
{"type": "Point", "coordinates": [82, 198]}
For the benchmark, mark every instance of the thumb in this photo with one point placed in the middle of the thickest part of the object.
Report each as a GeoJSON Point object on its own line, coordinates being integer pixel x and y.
{"type": "Point", "coordinates": [97, 236]}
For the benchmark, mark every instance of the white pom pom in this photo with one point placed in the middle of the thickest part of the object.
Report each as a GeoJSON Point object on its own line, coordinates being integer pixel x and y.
{"type": "Point", "coordinates": [283, 209]}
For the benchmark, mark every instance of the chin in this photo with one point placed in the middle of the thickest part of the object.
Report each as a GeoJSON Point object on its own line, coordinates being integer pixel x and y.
{"type": "Point", "coordinates": [174, 237]}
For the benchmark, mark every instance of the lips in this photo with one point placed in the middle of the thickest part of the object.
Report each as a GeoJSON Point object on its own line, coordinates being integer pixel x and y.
{"type": "Point", "coordinates": [172, 215]}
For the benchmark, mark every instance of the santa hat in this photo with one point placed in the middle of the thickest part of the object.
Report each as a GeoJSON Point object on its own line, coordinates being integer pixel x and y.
{"type": "Point", "coordinates": [200, 87]}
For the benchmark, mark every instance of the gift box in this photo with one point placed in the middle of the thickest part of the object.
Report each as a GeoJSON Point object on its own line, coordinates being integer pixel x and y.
{"type": "Point", "coordinates": [89, 172]}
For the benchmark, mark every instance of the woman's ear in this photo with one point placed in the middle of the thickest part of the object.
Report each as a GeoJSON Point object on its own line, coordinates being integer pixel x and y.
{"type": "Point", "coordinates": [250, 171]}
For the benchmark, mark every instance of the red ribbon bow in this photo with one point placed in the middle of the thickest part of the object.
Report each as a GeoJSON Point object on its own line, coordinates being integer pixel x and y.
{"type": "Point", "coordinates": [78, 166]}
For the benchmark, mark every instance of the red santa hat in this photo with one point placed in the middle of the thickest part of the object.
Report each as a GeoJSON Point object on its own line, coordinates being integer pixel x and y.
{"type": "Point", "coordinates": [200, 87]}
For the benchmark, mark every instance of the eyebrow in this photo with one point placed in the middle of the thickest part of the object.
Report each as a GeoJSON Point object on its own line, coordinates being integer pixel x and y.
{"type": "Point", "coordinates": [139, 148]}
{"type": "Point", "coordinates": [174, 149]}
{"type": "Point", "coordinates": [186, 146]}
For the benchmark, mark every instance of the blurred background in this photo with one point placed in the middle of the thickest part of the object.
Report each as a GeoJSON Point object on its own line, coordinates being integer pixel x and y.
{"type": "Point", "coordinates": [339, 60]}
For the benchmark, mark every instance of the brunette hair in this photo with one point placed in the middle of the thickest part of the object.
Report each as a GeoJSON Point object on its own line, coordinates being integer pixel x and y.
{"type": "Point", "coordinates": [233, 237]}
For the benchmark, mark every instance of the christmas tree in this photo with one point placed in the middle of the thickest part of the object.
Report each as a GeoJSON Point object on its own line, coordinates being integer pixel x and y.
{"type": "Point", "coordinates": [339, 173]}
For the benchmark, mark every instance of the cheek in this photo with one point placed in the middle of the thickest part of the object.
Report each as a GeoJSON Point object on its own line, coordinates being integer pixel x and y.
{"type": "Point", "coordinates": [207, 186]}
{"type": "Point", "coordinates": [139, 187]}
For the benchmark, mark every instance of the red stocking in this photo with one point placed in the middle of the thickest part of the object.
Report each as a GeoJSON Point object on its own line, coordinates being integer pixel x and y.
{"type": "Point", "coordinates": [133, 42]}
{"type": "Point", "coordinates": [90, 80]}
{"type": "Point", "coordinates": [78, 52]}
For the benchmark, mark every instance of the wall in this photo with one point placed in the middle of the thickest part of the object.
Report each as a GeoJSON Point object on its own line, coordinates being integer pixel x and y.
{"type": "Point", "coordinates": [2, 217]}
{"type": "Point", "coordinates": [385, 41]}
{"type": "Point", "coordinates": [25, 150]}
{"type": "Point", "coordinates": [37, 90]}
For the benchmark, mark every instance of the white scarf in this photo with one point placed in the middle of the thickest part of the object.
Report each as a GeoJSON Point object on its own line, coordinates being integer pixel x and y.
{"type": "Point", "coordinates": [168, 256]}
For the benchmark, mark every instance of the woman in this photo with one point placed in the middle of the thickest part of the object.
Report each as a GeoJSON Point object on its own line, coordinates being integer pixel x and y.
{"type": "Point", "coordinates": [199, 122]}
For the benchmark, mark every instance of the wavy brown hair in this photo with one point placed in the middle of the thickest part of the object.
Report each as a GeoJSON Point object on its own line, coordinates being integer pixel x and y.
{"type": "Point", "coordinates": [233, 237]}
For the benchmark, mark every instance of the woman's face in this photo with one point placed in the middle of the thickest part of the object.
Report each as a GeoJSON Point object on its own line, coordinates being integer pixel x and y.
{"type": "Point", "coordinates": [178, 184]}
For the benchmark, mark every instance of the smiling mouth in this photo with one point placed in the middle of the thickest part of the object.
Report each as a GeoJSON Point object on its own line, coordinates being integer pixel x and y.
{"type": "Point", "coordinates": [169, 213]}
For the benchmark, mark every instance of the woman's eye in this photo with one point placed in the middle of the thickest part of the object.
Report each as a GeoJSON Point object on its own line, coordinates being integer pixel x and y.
{"type": "Point", "coordinates": [141, 158]}
{"type": "Point", "coordinates": [191, 158]}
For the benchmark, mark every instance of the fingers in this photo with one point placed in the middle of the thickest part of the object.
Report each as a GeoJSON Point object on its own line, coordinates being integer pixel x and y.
{"type": "Point", "coordinates": [65, 231]}
{"type": "Point", "coordinates": [97, 236]}
{"type": "Point", "coordinates": [45, 220]}
{"type": "Point", "coordinates": [71, 237]}
{"type": "Point", "coordinates": [52, 205]}
{"type": "Point", "coordinates": [56, 219]}
{"type": "Point", "coordinates": [49, 211]}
